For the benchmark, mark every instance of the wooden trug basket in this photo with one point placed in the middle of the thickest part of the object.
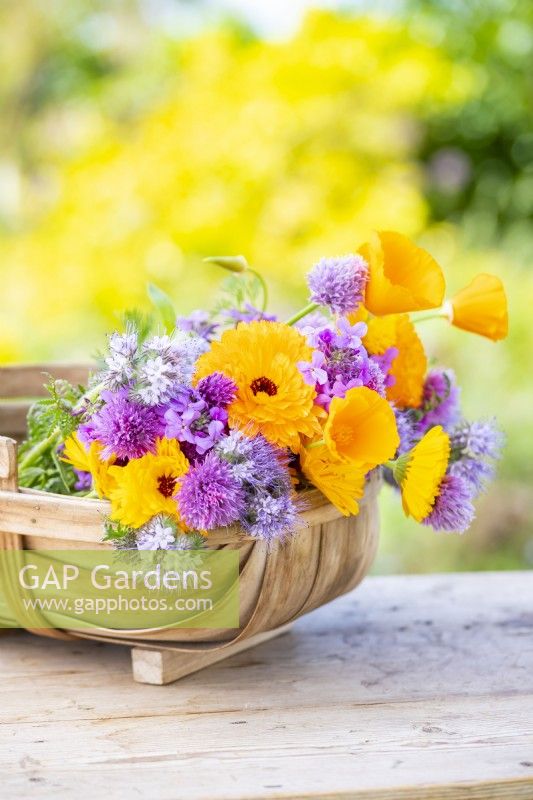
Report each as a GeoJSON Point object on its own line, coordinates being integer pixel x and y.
{"type": "Point", "coordinates": [330, 555]}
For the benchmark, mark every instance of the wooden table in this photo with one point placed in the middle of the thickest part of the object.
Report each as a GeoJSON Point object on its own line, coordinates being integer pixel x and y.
{"type": "Point", "coordinates": [411, 687]}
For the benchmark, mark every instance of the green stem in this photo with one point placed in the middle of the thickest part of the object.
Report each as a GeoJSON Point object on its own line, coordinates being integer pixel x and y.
{"type": "Point", "coordinates": [320, 443]}
{"type": "Point", "coordinates": [434, 313]}
{"type": "Point", "coordinates": [302, 313]}
{"type": "Point", "coordinates": [42, 446]}
{"type": "Point", "coordinates": [263, 284]}
{"type": "Point", "coordinates": [36, 451]}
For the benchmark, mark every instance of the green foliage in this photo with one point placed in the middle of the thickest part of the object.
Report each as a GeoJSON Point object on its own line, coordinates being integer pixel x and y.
{"type": "Point", "coordinates": [50, 421]}
{"type": "Point", "coordinates": [164, 306]}
{"type": "Point", "coordinates": [116, 532]}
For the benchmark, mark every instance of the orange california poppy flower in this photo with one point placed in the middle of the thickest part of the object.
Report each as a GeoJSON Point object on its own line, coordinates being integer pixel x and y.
{"type": "Point", "coordinates": [481, 307]}
{"type": "Point", "coordinates": [410, 365]}
{"type": "Point", "coordinates": [402, 276]}
{"type": "Point", "coordinates": [341, 482]}
{"type": "Point", "coordinates": [361, 428]}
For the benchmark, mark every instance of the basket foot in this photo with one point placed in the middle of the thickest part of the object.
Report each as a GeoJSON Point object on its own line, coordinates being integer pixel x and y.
{"type": "Point", "coordinates": [166, 665]}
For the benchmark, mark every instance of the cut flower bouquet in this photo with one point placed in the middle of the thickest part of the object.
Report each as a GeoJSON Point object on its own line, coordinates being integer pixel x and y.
{"type": "Point", "coordinates": [222, 419]}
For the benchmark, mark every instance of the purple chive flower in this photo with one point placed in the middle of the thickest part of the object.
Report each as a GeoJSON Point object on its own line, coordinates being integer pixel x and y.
{"type": "Point", "coordinates": [453, 509]}
{"type": "Point", "coordinates": [269, 517]}
{"type": "Point", "coordinates": [126, 429]}
{"type": "Point", "coordinates": [338, 283]}
{"type": "Point", "coordinates": [440, 401]}
{"type": "Point", "coordinates": [249, 314]}
{"type": "Point", "coordinates": [198, 322]}
{"type": "Point", "coordinates": [210, 496]}
{"type": "Point", "coordinates": [217, 389]}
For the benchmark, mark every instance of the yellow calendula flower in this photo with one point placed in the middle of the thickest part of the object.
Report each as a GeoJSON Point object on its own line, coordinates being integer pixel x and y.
{"type": "Point", "coordinates": [342, 483]}
{"type": "Point", "coordinates": [481, 307]}
{"type": "Point", "coordinates": [272, 396]}
{"type": "Point", "coordinates": [410, 365]}
{"type": "Point", "coordinates": [147, 486]}
{"type": "Point", "coordinates": [361, 428]}
{"type": "Point", "coordinates": [420, 472]}
{"type": "Point", "coordinates": [89, 460]}
{"type": "Point", "coordinates": [402, 276]}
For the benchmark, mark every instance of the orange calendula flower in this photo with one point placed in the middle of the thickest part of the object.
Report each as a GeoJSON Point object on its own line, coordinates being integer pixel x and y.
{"type": "Point", "coordinates": [361, 428]}
{"type": "Point", "coordinates": [89, 460]}
{"type": "Point", "coordinates": [341, 482]}
{"type": "Point", "coordinates": [410, 365]}
{"type": "Point", "coordinates": [402, 276]}
{"type": "Point", "coordinates": [272, 396]}
{"type": "Point", "coordinates": [147, 486]}
{"type": "Point", "coordinates": [481, 307]}
{"type": "Point", "coordinates": [419, 473]}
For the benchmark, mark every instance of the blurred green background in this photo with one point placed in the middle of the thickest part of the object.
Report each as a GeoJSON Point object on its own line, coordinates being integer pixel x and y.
{"type": "Point", "coordinates": [138, 136]}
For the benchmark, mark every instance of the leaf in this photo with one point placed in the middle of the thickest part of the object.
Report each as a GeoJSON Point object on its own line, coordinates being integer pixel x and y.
{"type": "Point", "coordinates": [164, 305]}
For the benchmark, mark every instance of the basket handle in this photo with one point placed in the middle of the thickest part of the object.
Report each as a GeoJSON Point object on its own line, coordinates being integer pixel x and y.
{"type": "Point", "coordinates": [8, 464]}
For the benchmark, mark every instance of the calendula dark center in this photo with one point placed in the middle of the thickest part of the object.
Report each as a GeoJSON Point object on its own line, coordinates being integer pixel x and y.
{"type": "Point", "coordinates": [265, 385]}
{"type": "Point", "coordinates": [166, 485]}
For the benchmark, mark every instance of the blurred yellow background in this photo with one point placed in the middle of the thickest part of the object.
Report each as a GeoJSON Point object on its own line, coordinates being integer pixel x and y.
{"type": "Point", "coordinates": [139, 137]}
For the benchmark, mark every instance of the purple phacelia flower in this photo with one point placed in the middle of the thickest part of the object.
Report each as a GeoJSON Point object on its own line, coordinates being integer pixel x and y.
{"type": "Point", "coordinates": [440, 401]}
{"type": "Point", "coordinates": [125, 428]}
{"type": "Point", "coordinates": [254, 461]}
{"type": "Point", "coordinates": [477, 473]}
{"type": "Point", "coordinates": [453, 509]}
{"type": "Point", "coordinates": [120, 362]}
{"type": "Point", "coordinates": [475, 446]}
{"type": "Point", "coordinates": [198, 322]}
{"type": "Point", "coordinates": [210, 496]}
{"type": "Point", "coordinates": [338, 283]}
{"type": "Point", "coordinates": [407, 430]}
{"type": "Point", "coordinates": [268, 517]}
{"type": "Point", "coordinates": [249, 314]}
{"type": "Point", "coordinates": [479, 439]}
{"type": "Point", "coordinates": [217, 389]}
{"type": "Point", "coordinates": [158, 534]}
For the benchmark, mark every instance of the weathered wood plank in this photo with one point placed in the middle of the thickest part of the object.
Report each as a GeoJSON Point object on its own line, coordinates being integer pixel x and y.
{"type": "Point", "coordinates": [27, 380]}
{"type": "Point", "coordinates": [394, 640]}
